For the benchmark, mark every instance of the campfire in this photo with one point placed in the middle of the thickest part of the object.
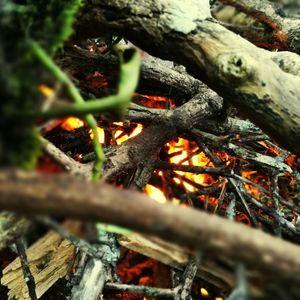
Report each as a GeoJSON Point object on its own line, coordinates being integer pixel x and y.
{"type": "Point", "coordinates": [236, 182]}
{"type": "Point", "coordinates": [185, 151]}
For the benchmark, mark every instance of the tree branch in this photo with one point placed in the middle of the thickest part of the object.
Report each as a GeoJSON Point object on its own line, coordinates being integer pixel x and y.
{"type": "Point", "coordinates": [239, 71]}
{"type": "Point", "coordinates": [218, 238]}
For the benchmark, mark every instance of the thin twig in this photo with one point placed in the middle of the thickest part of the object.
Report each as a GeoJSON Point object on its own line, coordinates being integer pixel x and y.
{"type": "Point", "coordinates": [140, 289]}
{"type": "Point", "coordinates": [79, 243]}
{"type": "Point", "coordinates": [191, 169]}
{"type": "Point", "coordinates": [184, 290]}
{"type": "Point", "coordinates": [243, 200]}
{"type": "Point", "coordinates": [28, 277]}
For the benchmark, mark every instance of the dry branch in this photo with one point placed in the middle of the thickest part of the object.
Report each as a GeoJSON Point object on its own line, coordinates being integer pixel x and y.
{"type": "Point", "coordinates": [177, 257]}
{"type": "Point", "coordinates": [12, 227]}
{"type": "Point", "coordinates": [49, 258]}
{"type": "Point", "coordinates": [219, 239]}
{"type": "Point", "coordinates": [284, 33]}
{"type": "Point", "coordinates": [239, 71]}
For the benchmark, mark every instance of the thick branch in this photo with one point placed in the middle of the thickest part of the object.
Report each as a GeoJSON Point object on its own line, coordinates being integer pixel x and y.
{"type": "Point", "coordinates": [216, 237]}
{"type": "Point", "coordinates": [244, 74]}
{"type": "Point", "coordinates": [285, 32]}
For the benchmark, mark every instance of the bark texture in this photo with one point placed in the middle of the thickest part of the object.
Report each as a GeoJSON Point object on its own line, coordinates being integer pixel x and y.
{"type": "Point", "coordinates": [243, 74]}
{"type": "Point", "coordinates": [219, 239]}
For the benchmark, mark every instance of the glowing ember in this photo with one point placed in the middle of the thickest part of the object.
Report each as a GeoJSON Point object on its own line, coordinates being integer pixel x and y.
{"type": "Point", "coordinates": [257, 178]}
{"type": "Point", "coordinates": [45, 90]}
{"type": "Point", "coordinates": [204, 292]}
{"type": "Point", "coordinates": [292, 160]}
{"type": "Point", "coordinates": [72, 123]}
{"type": "Point", "coordinates": [121, 137]}
{"type": "Point", "coordinates": [101, 135]}
{"type": "Point", "coordinates": [95, 81]}
{"type": "Point", "coordinates": [156, 101]}
{"type": "Point", "coordinates": [155, 193]}
{"type": "Point", "coordinates": [269, 148]}
{"type": "Point", "coordinates": [187, 153]}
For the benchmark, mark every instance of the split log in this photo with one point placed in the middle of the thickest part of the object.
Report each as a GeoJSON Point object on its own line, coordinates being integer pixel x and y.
{"type": "Point", "coordinates": [245, 75]}
{"type": "Point", "coordinates": [50, 258]}
{"type": "Point", "coordinates": [270, 260]}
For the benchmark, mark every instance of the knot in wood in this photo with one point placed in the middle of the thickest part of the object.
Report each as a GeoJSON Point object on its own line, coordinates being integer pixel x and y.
{"type": "Point", "coordinates": [233, 68]}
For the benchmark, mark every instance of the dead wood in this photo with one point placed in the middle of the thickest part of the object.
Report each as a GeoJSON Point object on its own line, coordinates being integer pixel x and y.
{"type": "Point", "coordinates": [239, 71]}
{"type": "Point", "coordinates": [50, 258]}
{"type": "Point", "coordinates": [178, 257]}
{"type": "Point", "coordinates": [282, 32]}
{"type": "Point", "coordinates": [157, 78]}
{"type": "Point", "coordinates": [12, 227]}
{"type": "Point", "coordinates": [203, 106]}
{"type": "Point", "coordinates": [92, 281]}
{"type": "Point", "coordinates": [270, 259]}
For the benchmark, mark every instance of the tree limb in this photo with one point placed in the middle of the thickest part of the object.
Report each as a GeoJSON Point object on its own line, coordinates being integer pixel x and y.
{"type": "Point", "coordinates": [219, 239]}
{"type": "Point", "coordinates": [239, 71]}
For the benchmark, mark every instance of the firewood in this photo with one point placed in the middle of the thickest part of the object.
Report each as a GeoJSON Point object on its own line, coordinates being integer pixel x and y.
{"type": "Point", "coordinates": [50, 258]}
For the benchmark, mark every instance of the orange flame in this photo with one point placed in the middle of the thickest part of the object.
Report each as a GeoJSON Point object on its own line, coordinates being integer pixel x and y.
{"type": "Point", "coordinates": [121, 138]}
{"type": "Point", "coordinates": [204, 292]}
{"type": "Point", "coordinates": [101, 134]}
{"type": "Point", "coordinates": [72, 123]}
{"type": "Point", "coordinates": [45, 90]}
{"type": "Point", "coordinates": [186, 153]}
{"type": "Point", "coordinates": [155, 193]}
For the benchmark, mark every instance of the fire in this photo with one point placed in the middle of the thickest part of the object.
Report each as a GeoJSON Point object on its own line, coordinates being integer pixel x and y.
{"type": "Point", "coordinates": [155, 193]}
{"type": "Point", "coordinates": [72, 123]}
{"type": "Point", "coordinates": [204, 292]}
{"type": "Point", "coordinates": [120, 137]}
{"type": "Point", "coordinates": [156, 101]}
{"type": "Point", "coordinates": [101, 135]}
{"type": "Point", "coordinates": [45, 90]}
{"type": "Point", "coordinates": [269, 148]}
{"type": "Point", "coordinates": [253, 176]}
{"type": "Point", "coordinates": [185, 152]}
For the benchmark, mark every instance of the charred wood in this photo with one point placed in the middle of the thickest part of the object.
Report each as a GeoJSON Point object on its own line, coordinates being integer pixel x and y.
{"type": "Point", "coordinates": [218, 238]}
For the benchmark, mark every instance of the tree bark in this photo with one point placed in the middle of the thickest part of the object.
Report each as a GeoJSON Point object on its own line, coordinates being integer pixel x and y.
{"type": "Point", "coordinates": [219, 239]}
{"type": "Point", "coordinates": [243, 74]}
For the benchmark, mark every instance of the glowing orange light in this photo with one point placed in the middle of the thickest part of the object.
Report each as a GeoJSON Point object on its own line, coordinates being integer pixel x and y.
{"type": "Point", "coordinates": [101, 135]}
{"type": "Point", "coordinates": [179, 151]}
{"type": "Point", "coordinates": [292, 160]}
{"type": "Point", "coordinates": [259, 179]}
{"type": "Point", "coordinates": [204, 292]}
{"type": "Point", "coordinates": [156, 101]}
{"type": "Point", "coordinates": [72, 123]}
{"type": "Point", "coordinates": [120, 138]}
{"type": "Point", "coordinates": [118, 123]}
{"type": "Point", "coordinates": [155, 193]}
{"type": "Point", "coordinates": [248, 173]}
{"type": "Point", "coordinates": [176, 180]}
{"type": "Point", "coordinates": [45, 90]}
{"type": "Point", "coordinates": [269, 148]}
{"type": "Point", "coordinates": [218, 298]}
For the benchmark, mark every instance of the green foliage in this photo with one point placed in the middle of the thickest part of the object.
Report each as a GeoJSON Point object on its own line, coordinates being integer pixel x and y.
{"type": "Point", "coordinates": [49, 23]}
{"type": "Point", "coordinates": [129, 75]}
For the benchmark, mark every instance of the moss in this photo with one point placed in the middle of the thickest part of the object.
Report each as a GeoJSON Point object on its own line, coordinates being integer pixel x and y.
{"type": "Point", "coordinates": [48, 24]}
